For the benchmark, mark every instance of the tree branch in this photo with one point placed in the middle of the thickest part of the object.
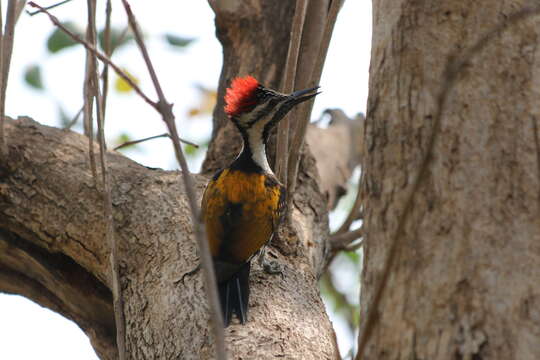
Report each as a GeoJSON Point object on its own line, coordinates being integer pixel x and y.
{"type": "Point", "coordinates": [73, 121]}
{"type": "Point", "coordinates": [61, 213]}
{"type": "Point", "coordinates": [60, 284]}
{"type": "Point", "coordinates": [282, 147]}
{"type": "Point", "coordinates": [88, 106]}
{"type": "Point", "coordinates": [165, 109]}
{"type": "Point", "coordinates": [5, 60]}
{"type": "Point", "coordinates": [353, 213]}
{"type": "Point", "coordinates": [93, 94]}
{"type": "Point", "coordinates": [107, 47]}
{"type": "Point", "coordinates": [3, 145]}
{"type": "Point", "coordinates": [305, 110]}
{"type": "Point", "coordinates": [48, 7]}
{"type": "Point", "coordinates": [340, 242]}
{"type": "Point", "coordinates": [134, 142]}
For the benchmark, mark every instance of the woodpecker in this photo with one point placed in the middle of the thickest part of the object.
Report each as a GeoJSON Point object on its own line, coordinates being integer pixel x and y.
{"type": "Point", "coordinates": [244, 203]}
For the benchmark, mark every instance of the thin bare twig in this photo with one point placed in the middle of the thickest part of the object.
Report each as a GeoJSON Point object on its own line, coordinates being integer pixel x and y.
{"type": "Point", "coordinates": [3, 144]}
{"type": "Point", "coordinates": [118, 304]}
{"type": "Point", "coordinates": [88, 92]}
{"type": "Point", "coordinates": [353, 213]}
{"type": "Point", "coordinates": [282, 146]}
{"type": "Point", "coordinates": [18, 10]}
{"type": "Point", "coordinates": [134, 142]}
{"type": "Point", "coordinates": [204, 252]}
{"type": "Point", "coordinates": [108, 52]}
{"type": "Point", "coordinates": [119, 39]}
{"type": "Point", "coordinates": [303, 116]}
{"type": "Point", "coordinates": [453, 68]}
{"type": "Point", "coordinates": [75, 118]}
{"type": "Point", "coordinates": [142, 47]}
{"type": "Point", "coordinates": [99, 55]}
{"type": "Point", "coordinates": [47, 8]}
{"type": "Point", "coordinates": [5, 61]}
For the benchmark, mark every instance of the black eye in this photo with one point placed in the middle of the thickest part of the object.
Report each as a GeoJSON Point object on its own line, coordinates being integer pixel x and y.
{"type": "Point", "coordinates": [261, 95]}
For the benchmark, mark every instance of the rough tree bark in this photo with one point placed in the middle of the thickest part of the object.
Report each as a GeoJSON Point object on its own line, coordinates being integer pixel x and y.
{"type": "Point", "coordinates": [53, 248]}
{"type": "Point", "coordinates": [465, 283]}
{"type": "Point", "coordinates": [54, 252]}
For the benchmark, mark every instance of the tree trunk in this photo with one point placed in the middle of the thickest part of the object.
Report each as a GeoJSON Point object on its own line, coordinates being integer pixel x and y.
{"type": "Point", "coordinates": [52, 230]}
{"type": "Point", "coordinates": [452, 173]}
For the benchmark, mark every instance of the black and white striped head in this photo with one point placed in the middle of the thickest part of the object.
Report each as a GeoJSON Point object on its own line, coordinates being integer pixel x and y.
{"type": "Point", "coordinates": [255, 108]}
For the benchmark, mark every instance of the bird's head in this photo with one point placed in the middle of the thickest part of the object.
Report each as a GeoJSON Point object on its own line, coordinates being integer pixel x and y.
{"type": "Point", "coordinates": [255, 108]}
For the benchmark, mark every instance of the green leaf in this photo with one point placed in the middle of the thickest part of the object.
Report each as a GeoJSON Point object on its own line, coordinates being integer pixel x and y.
{"type": "Point", "coordinates": [178, 41]}
{"type": "Point", "coordinates": [190, 150]}
{"type": "Point", "coordinates": [32, 76]}
{"type": "Point", "coordinates": [118, 38]}
{"type": "Point", "coordinates": [58, 40]}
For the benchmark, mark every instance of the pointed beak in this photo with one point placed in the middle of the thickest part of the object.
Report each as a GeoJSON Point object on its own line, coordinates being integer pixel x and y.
{"type": "Point", "coordinates": [300, 96]}
{"type": "Point", "coordinates": [290, 101]}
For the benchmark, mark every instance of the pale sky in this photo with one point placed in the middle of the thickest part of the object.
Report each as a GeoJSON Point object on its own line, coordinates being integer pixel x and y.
{"type": "Point", "coordinates": [28, 331]}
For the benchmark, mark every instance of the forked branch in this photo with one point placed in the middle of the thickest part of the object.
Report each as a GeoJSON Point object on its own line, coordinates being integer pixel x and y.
{"type": "Point", "coordinates": [165, 109]}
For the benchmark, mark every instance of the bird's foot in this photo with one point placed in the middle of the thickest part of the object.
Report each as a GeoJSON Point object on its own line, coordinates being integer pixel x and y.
{"type": "Point", "coordinates": [271, 267]}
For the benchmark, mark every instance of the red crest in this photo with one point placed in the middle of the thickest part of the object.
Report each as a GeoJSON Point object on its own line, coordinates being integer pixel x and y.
{"type": "Point", "coordinates": [240, 95]}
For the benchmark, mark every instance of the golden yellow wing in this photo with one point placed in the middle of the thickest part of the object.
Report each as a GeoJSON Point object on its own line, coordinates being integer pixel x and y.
{"type": "Point", "coordinates": [240, 211]}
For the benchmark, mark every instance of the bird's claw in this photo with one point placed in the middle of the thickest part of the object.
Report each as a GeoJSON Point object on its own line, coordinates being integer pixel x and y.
{"type": "Point", "coordinates": [272, 267]}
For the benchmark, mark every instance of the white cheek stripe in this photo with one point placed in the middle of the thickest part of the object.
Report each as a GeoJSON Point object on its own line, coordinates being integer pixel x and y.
{"type": "Point", "coordinates": [257, 146]}
{"type": "Point", "coordinates": [255, 134]}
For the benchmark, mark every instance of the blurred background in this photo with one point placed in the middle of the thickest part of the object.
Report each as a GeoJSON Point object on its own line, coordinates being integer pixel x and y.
{"type": "Point", "coordinates": [45, 83]}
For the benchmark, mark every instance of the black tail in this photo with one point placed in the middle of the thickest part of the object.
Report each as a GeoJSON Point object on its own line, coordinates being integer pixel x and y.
{"type": "Point", "coordinates": [234, 295]}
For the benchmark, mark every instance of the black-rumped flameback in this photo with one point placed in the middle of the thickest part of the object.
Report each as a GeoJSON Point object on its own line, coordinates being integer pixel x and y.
{"type": "Point", "coordinates": [243, 204]}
